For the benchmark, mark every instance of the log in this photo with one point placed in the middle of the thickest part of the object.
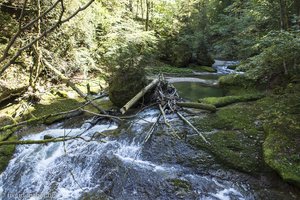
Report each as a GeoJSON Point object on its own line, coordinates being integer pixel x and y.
{"type": "Point", "coordinates": [24, 142]}
{"type": "Point", "coordinates": [202, 106]}
{"type": "Point", "coordinates": [139, 95]}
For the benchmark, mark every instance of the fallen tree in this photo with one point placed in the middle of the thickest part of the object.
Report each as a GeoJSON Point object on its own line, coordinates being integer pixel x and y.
{"type": "Point", "coordinates": [202, 106]}
{"type": "Point", "coordinates": [138, 96]}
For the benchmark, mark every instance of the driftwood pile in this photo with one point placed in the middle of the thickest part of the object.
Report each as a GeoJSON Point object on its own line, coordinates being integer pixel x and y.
{"type": "Point", "coordinates": [166, 97]}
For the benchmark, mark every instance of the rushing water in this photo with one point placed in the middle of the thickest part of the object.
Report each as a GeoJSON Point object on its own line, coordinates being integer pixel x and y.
{"type": "Point", "coordinates": [119, 165]}
{"type": "Point", "coordinates": [115, 168]}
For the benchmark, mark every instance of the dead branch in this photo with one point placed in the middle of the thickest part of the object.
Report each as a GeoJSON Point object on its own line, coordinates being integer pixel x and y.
{"type": "Point", "coordinates": [192, 126]}
{"type": "Point", "coordinates": [72, 85]}
{"type": "Point", "coordinates": [46, 141]}
{"type": "Point", "coordinates": [43, 118]}
{"type": "Point", "coordinates": [167, 122]}
{"type": "Point", "coordinates": [59, 22]}
{"type": "Point", "coordinates": [151, 130]}
{"type": "Point", "coordinates": [24, 142]}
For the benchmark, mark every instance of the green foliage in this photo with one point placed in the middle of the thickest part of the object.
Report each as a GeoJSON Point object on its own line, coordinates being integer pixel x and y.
{"type": "Point", "coordinates": [279, 55]}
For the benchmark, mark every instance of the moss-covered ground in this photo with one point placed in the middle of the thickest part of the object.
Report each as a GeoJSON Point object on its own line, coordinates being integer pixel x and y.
{"type": "Point", "coordinates": [235, 138]}
{"type": "Point", "coordinates": [248, 136]}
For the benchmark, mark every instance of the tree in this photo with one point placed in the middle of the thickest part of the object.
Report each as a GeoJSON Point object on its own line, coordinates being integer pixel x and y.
{"type": "Point", "coordinates": [59, 5]}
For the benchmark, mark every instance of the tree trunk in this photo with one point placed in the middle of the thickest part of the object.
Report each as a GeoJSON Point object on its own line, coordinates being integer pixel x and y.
{"type": "Point", "coordinates": [137, 9]}
{"type": "Point", "coordinates": [202, 106]}
{"type": "Point", "coordinates": [284, 23]}
{"type": "Point", "coordinates": [147, 14]}
{"type": "Point", "coordinates": [130, 5]}
{"type": "Point", "coordinates": [142, 9]}
{"type": "Point", "coordinates": [139, 95]}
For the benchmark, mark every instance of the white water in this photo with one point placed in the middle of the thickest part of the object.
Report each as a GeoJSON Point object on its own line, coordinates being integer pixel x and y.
{"type": "Point", "coordinates": [68, 170]}
{"type": "Point", "coordinates": [35, 169]}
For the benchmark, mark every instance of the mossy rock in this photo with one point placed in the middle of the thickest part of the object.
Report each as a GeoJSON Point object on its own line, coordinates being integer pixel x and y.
{"type": "Point", "coordinates": [281, 152]}
{"type": "Point", "coordinates": [232, 67]}
{"type": "Point", "coordinates": [235, 149]}
{"type": "Point", "coordinates": [6, 153]}
{"type": "Point", "coordinates": [235, 138]}
{"type": "Point", "coordinates": [237, 80]}
{"type": "Point", "coordinates": [42, 110]}
{"type": "Point", "coordinates": [181, 184]}
{"type": "Point", "coordinates": [125, 83]}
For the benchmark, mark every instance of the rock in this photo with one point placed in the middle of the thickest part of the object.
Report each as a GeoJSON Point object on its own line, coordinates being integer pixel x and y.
{"type": "Point", "coordinates": [123, 87]}
{"type": "Point", "coordinates": [48, 137]}
{"type": "Point", "coordinates": [282, 154]}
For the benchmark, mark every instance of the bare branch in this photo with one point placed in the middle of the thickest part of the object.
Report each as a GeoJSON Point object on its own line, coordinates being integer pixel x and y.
{"type": "Point", "coordinates": [42, 35]}
{"type": "Point", "coordinates": [22, 29]}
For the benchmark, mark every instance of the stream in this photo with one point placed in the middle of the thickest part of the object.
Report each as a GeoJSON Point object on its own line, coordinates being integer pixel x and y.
{"type": "Point", "coordinates": [119, 165]}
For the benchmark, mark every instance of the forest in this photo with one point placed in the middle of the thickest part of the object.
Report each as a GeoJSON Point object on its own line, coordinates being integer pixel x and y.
{"type": "Point", "coordinates": [150, 99]}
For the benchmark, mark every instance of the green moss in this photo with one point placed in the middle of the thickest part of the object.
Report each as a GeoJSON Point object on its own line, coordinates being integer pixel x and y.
{"type": "Point", "coordinates": [7, 131]}
{"type": "Point", "coordinates": [180, 184]}
{"type": "Point", "coordinates": [104, 104]}
{"type": "Point", "coordinates": [236, 140]}
{"type": "Point", "coordinates": [282, 154]}
{"type": "Point", "coordinates": [236, 149]}
{"type": "Point", "coordinates": [247, 136]}
{"type": "Point", "coordinates": [6, 152]}
{"type": "Point", "coordinates": [227, 100]}
{"type": "Point", "coordinates": [176, 70]}
{"type": "Point", "coordinates": [203, 69]}
{"type": "Point", "coordinates": [233, 67]}
{"type": "Point", "coordinates": [40, 111]}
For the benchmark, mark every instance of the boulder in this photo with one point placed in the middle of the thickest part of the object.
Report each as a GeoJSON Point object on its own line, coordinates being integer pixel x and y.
{"type": "Point", "coordinates": [125, 83]}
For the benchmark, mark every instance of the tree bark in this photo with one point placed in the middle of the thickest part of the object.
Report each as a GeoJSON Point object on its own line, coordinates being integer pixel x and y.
{"type": "Point", "coordinates": [202, 106]}
{"type": "Point", "coordinates": [147, 14]}
{"type": "Point", "coordinates": [139, 95]}
{"type": "Point", "coordinates": [284, 23]}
